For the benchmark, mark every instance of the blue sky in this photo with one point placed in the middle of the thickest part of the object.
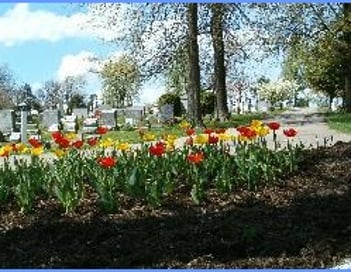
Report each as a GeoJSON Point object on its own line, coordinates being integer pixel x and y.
{"type": "Point", "coordinates": [43, 41]}
{"type": "Point", "coordinates": [37, 58]}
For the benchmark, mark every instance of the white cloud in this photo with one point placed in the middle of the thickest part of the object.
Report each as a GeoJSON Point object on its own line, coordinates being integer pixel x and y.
{"type": "Point", "coordinates": [20, 24]}
{"type": "Point", "coordinates": [77, 65]}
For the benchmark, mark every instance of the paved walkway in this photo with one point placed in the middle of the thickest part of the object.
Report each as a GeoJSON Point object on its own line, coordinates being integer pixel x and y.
{"type": "Point", "coordinates": [311, 126]}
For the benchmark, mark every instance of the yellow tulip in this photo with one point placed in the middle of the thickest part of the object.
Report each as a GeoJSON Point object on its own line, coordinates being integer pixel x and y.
{"type": "Point", "coordinates": [201, 139]}
{"type": "Point", "coordinates": [106, 143]}
{"type": "Point", "coordinates": [256, 123]}
{"type": "Point", "coordinates": [20, 147]}
{"type": "Point", "coordinates": [123, 146]}
{"type": "Point", "coordinates": [224, 137]}
{"type": "Point", "coordinates": [37, 151]}
{"type": "Point", "coordinates": [149, 137]}
{"type": "Point", "coordinates": [59, 152]}
{"type": "Point", "coordinates": [71, 136]}
{"type": "Point", "coordinates": [262, 131]}
{"type": "Point", "coordinates": [3, 152]}
{"type": "Point", "coordinates": [170, 146]}
{"type": "Point", "coordinates": [184, 124]}
{"type": "Point", "coordinates": [8, 148]}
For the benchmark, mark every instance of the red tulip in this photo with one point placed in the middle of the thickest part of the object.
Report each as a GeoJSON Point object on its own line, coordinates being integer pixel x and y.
{"type": "Point", "coordinates": [190, 131]}
{"type": "Point", "coordinates": [220, 130]}
{"type": "Point", "coordinates": [57, 135]}
{"type": "Point", "coordinates": [78, 144]}
{"type": "Point", "coordinates": [92, 141]}
{"type": "Point", "coordinates": [273, 125]}
{"type": "Point", "coordinates": [189, 141]}
{"type": "Point", "coordinates": [247, 132]}
{"type": "Point", "coordinates": [212, 139]}
{"type": "Point", "coordinates": [101, 130]}
{"type": "Point", "coordinates": [208, 131]}
{"type": "Point", "coordinates": [63, 143]}
{"type": "Point", "coordinates": [290, 132]}
{"type": "Point", "coordinates": [34, 142]}
{"type": "Point", "coordinates": [242, 129]}
{"type": "Point", "coordinates": [107, 162]}
{"type": "Point", "coordinates": [195, 158]}
{"type": "Point", "coordinates": [157, 150]}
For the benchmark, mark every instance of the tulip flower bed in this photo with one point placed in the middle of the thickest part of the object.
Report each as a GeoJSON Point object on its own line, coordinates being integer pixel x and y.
{"type": "Point", "coordinates": [150, 173]}
{"type": "Point", "coordinates": [219, 200]}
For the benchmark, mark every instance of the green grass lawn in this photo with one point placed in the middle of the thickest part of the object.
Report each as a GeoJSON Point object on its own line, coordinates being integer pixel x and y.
{"type": "Point", "coordinates": [339, 121]}
{"type": "Point", "coordinates": [133, 136]}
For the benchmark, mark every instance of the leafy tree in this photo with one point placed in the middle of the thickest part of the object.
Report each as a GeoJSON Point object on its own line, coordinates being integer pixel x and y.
{"type": "Point", "coordinates": [121, 81]}
{"type": "Point", "coordinates": [324, 70]}
{"type": "Point", "coordinates": [76, 101]}
{"type": "Point", "coordinates": [277, 91]}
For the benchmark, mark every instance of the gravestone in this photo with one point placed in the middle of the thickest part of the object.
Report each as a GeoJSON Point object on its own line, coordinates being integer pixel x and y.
{"type": "Point", "coordinates": [69, 123]}
{"type": "Point", "coordinates": [90, 125]}
{"type": "Point", "coordinates": [7, 121]}
{"type": "Point", "coordinates": [50, 117]}
{"type": "Point", "coordinates": [136, 113]}
{"type": "Point", "coordinates": [167, 112]}
{"type": "Point", "coordinates": [130, 121]}
{"type": "Point", "coordinates": [108, 118]}
{"type": "Point", "coordinates": [80, 112]}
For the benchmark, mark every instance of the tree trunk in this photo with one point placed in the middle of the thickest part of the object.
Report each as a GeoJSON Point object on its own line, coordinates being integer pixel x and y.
{"type": "Point", "coordinates": [219, 67]}
{"type": "Point", "coordinates": [194, 67]}
{"type": "Point", "coordinates": [347, 69]}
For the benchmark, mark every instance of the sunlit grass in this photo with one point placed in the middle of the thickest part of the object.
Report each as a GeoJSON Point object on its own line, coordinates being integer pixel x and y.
{"type": "Point", "coordinates": [339, 121]}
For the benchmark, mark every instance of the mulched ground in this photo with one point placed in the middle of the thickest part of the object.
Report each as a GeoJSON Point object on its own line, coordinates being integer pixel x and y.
{"type": "Point", "coordinates": [304, 222]}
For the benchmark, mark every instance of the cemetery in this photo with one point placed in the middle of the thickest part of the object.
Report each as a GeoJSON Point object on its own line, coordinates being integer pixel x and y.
{"type": "Point", "coordinates": [190, 153]}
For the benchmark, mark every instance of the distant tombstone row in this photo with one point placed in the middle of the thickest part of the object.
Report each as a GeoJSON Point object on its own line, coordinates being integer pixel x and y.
{"type": "Point", "coordinates": [132, 115]}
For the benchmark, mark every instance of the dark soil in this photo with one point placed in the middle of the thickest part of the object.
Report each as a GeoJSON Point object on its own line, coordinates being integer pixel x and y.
{"type": "Point", "coordinates": [304, 222]}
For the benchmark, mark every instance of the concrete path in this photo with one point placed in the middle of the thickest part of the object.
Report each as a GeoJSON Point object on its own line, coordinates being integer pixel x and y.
{"type": "Point", "coordinates": [311, 126]}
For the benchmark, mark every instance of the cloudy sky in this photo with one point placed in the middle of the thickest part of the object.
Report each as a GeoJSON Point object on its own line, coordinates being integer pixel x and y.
{"type": "Point", "coordinates": [43, 41]}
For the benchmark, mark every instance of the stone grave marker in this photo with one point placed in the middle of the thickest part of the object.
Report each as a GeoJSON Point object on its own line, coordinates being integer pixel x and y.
{"type": "Point", "coordinates": [80, 112]}
{"type": "Point", "coordinates": [7, 121]}
{"type": "Point", "coordinates": [90, 125]}
{"type": "Point", "coordinates": [130, 121]}
{"type": "Point", "coordinates": [135, 112]}
{"type": "Point", "coordinates": [50, 117]}
{"type": "Point", "coordinates": [167, 112]}
{"type": "Point", "coordinates": [109, 118]}
{"type": "Point", "coordinates": [69, 123]}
